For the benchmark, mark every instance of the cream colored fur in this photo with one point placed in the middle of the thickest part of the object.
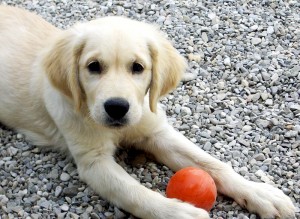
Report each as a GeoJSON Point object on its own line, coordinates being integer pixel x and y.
{"type": "Point", "coordinates": [47, 93]}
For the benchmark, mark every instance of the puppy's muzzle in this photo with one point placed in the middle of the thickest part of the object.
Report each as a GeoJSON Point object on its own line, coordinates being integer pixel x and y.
{"type": "Point", "coordinates": [116, 109]}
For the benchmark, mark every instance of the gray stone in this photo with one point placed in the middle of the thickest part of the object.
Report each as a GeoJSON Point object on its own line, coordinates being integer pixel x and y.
{"type": "Point", "coordinates": [65, 177]}
{"type": "Point", "coordinates": [70, 191]}
{"type": "Point", "coordinates": [255, 97]}
{"type": "Point", "coordinates": [204, 37]}
{"type": "Point", "coordinates": [259, 157]}
{"type": "Point", "coordinates": [119, 214]}
{"type": "Point", "coordinates": [264, 96]}
{"type": "Point", "coordinates": [44, 203]}
{"type": "Point", "coordinates": [270, 30]}
{"type": "Point", "coordinates": [64, 207]}
{"type": "Point", "coordinates": [266, 76]}
{"type": "Point", "coordinates": [247, 128]}
{"type": "Point", "coordinates": [227, 61]}
{"type": "Point", "coordinates": [263, 123]}
{"type": "Point", "coordinates": [58, 191]}
{"type": "Point", "coordinates": [185, 111]}
{"type": "Point", "coordinates": [295, 106]}
{"type": "Point", "coordinates": [243, 142]}
{"type": "Point", "coordinates": [94, 216]}
{"type": "Point", "coordinates": [269, 102]}
{"type": "Point", "coordinates": [207, 146]}
{"type": "Point", "coordinates": [256, 40]}
{"type": "Point", "coordinates": [12, 151]}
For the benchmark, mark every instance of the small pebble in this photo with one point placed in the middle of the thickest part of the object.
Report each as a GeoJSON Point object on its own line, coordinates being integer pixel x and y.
{"type": "Point", "coordinates": [64, 207]}
{"type": "Point", "coordinates": [65, 177]}
{"type": "Point", "coordinates": [247, 128]}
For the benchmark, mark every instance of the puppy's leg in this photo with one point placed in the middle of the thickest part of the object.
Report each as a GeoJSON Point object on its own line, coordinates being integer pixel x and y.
{"type": "Point", "coordinates": [173, 149]}
{"type": "Point", "coordinates": [113, 183]}
{"type": "Point", "coordinates": [106, 177]}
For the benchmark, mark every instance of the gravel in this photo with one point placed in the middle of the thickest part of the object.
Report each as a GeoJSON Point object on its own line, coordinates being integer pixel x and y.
{"type": "Point", "coordinates": [239, 101]}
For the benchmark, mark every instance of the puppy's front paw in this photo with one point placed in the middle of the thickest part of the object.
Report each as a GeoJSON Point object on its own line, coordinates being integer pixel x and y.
{"type": "Point", "coordinates": [176, 209]}
{"type": "Point", "coordinates": [267, 201]}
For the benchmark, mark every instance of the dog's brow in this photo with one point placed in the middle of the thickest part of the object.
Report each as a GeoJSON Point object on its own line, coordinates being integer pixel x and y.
{"type": "Point", "coordinates": [139, 60]}
{"type": "Point", "coordinates": [93, 58]}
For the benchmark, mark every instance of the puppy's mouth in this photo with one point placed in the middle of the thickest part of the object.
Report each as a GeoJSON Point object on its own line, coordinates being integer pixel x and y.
{"type": "Point", "coordinates": [116, 123]}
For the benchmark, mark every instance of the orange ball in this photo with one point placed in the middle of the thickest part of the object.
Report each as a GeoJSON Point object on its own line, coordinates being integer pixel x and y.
{"type": "Point", "coordinates": [193, 185]}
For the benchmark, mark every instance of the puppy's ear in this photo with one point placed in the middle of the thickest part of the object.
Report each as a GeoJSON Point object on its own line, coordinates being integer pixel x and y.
{"type": "Point", "coordinates": [168, 67]}
{"type": "Point", "coordinates": [61, 63]}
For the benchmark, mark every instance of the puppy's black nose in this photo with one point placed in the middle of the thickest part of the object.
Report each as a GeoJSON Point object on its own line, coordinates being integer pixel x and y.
{"type": "Point", "coordinates": [116, 108]}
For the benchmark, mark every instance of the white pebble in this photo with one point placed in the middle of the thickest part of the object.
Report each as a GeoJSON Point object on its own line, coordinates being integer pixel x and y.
{"type": "Point", "coordinates": [264, 95]}
{"type": "Point", "coordinates": [270, 30]}
{"type": "Point", "coordinates": [254, 27]}
{"type": "Point", "coordinates": [245, 83]}
{"type": "Point", "coordinates": [64, 177]}
{"type": "Point", "coordinates": [227, 61]}
{"type": "Point", "coordinates": [186, 111]}
{"type": "Point", "coordinates": [269, 102]}
{"type": "Point", "coordinates": [247, 128]}
{"type": "Point", "coordinates": [64, 207]}
{"type": "Point", "coordinates": [256, 41]}
{"type": "Point", "coordinates": [221, 85]}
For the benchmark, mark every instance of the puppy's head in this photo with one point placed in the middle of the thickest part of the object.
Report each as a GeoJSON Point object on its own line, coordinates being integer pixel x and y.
{"type": "Point", "coordinates": [109, 65]}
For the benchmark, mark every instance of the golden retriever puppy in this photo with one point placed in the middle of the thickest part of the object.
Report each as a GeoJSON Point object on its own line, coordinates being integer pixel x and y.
{"type": "Point", "coordinates": [94, 87]}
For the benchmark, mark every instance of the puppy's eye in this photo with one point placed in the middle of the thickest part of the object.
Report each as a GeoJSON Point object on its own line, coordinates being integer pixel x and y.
{"type": "Point", "coordinates": [137, 68]}
{"type": "Point", "coordinates": [95, 67]}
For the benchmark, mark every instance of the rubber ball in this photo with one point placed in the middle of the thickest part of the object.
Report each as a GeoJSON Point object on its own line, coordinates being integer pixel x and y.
{"type": "Point", "coordinates": [194, 186]}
